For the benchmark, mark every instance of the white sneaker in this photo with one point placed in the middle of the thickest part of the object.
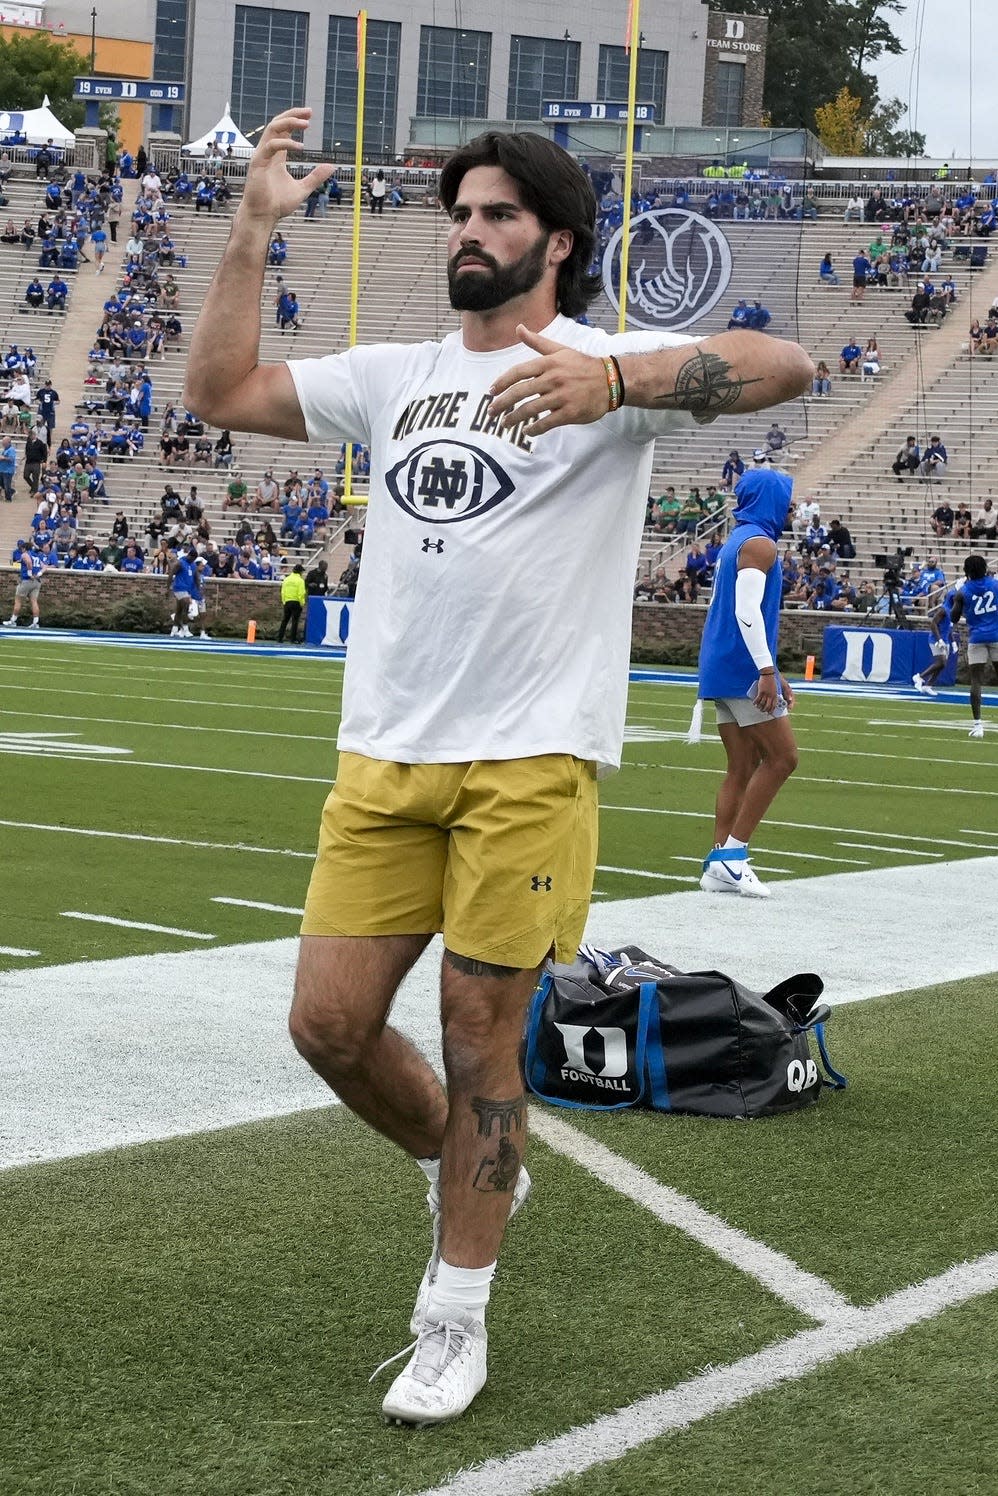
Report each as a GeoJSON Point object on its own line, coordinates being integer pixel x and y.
{"type": "Point", "coordinates": [977, 731]}
{"type": "Point", "coordinates": [174, 632]}
{"type": "Point", "coordinates": [446, 1371]}
{"type": "Point", "coordinates": [919, 683]}
{"type": "Point", "coordinates": [34, 624]}
{"type": "Point", "coordinates": [185, 633]}
{"type": "Point", "coordinates": [520, 1192]}
{"type": "Point", "coordinates": [10, 623]}
{"type": "Point", "coordinates": [727, 870]}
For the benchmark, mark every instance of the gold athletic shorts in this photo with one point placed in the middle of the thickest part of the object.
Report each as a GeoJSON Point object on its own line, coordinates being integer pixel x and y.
{"type": "Point", "coordinates": [499, 855]}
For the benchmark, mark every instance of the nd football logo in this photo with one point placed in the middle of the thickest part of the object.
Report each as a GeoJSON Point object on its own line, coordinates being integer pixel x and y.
{"type": "Point", "coordinates": [678, 268]}
{"type": "Point", "coordinates": [441, 482]}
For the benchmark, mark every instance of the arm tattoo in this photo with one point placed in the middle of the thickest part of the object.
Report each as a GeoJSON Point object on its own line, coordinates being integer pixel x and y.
{"type": "Point", "coordinates": [473, 968]}
{"type": "Point", "coordinates": [508, 1114]}
{"type": "Point", "coordinates": [705, 385]}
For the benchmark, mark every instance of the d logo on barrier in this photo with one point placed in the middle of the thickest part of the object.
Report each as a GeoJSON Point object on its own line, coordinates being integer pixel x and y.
{"type": "Point", "coordinates": [880, 656]}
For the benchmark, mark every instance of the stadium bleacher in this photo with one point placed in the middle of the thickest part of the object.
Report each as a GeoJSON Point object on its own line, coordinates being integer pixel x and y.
{"type": "Point", "coordinates": [403, 297]}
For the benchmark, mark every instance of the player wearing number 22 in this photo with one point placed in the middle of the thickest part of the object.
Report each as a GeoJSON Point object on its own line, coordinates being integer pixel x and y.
{"type": "Point", "coordinates": [977, 601]}
{"type": "Point", "coordinates": [485, 683]}
{"type": "Point", "coordinates": [738, 672]}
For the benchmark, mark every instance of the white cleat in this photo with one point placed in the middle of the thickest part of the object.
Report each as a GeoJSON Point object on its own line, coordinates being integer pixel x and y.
{"type": "Point", "coordinates": [731, 874]}
{"type": "Point", "coordinates": [919, 684]}
{"type": "Point", "coordinates": [445, 1373]}
{"type": "Point", "coordinates": [520, 1192]}
{"type": "Point", "coordinates": [977, 731]}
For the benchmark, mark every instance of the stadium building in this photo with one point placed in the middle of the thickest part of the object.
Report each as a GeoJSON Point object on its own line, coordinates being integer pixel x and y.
{"type": "Point", "coordinates": [437, 76]}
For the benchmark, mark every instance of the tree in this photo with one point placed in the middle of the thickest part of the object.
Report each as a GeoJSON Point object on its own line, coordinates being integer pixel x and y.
{"type": "Point", "coordinates": [841, 130]}
{"type": "Point", "coordinates": [883, 138]}
{"type": "Point", "coordinates": [34, 65]}
{"type": "Point", "coordinates": [816, 48]}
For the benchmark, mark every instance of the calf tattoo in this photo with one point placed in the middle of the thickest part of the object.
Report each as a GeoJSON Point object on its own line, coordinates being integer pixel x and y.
{"type": "Point", "coordinates": [508, 1114]}
{"type": "Point", "coordinates": [705, 385]}
{"type": "Point", "coordinates": [498, 1174]}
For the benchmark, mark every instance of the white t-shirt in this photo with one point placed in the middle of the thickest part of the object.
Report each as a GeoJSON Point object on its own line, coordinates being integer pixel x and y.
{"type": "Point", "coordinates": [493, 614]}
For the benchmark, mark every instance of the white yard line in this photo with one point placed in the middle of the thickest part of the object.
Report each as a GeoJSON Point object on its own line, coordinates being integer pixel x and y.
{"type": "Point", "coordinates": [812, 856]}
{"type": "Point", "coordinates": [251, 904]}
{"type": "Point", "coordinates": [134, 924]}
{"type": "Point", "coordinates": [239, 732]}
{"type": "Point", "coordinates": [894, 851]}
{"type": "Point", "coordinates": [16, 950]}
{"type": "Point", "coordinates": [807, 1293]}
{"type": "Point", "coordinates": [145, 763]}
{"type": "Point", "coordinates": [615, 1434]}
{"type": "Point", "coordinates": [640, 872]}
{"type": "Point", "coordinates": [165, 841]}
{"type": "Point", "coordinates": [242, 705]}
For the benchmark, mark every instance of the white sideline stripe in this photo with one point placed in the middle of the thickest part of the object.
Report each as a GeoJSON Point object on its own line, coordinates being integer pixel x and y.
{"type": "Point", "coordinates": [976, 831]}
{"type": "Point", "coordinates": [708, 815]}
{"type": "Point", "coordinates": [615, 1434]}
{"type": "Point", "coordinates": [241, 705]}
{"type": "Point", "coordinates": [165, 841]}
{"type": "Point", "coordinates": [16, 950]}
{"type": "Point", "coordinates": [783, 1277]}
{"type": "Point", "coordinates": [238, 732]}
{"type": "Point", "coordinates": [250, 904]}
{"type": "Point", "coordinates": [894, 851]}
{"type": "Point", "coordinates": [141, 763]}
{"type": "Point", "coordinates": [134, 924]}
{"type": "Point", "coordinates": [813, 856]}
{"type": "Point", "coordinates": [639, 872]}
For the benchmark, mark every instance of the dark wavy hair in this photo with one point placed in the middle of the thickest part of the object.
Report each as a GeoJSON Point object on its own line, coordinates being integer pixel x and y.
{"type": "Point", "coordinates": [553, 187]}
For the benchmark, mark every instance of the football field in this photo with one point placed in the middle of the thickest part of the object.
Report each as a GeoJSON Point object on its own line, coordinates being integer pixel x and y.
{"type": "Point", "coordinates": [206, 1257]}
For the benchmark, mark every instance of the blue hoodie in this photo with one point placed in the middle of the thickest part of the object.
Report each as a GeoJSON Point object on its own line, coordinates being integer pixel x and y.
{"type": "Point", "coordinates": [726, 667]}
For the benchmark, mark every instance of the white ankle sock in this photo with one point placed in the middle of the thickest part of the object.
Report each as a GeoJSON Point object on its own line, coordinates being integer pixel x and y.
{"type": "Point", "coordinates": [459, 1293]}
{"type": "Point", "coordinates": [431, 1168]}
{"type": "Point", "coordinates": [733, 842]}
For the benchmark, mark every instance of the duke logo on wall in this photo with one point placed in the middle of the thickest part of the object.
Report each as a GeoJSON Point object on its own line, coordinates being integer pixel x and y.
{"type": "Point", "coordinates": [679, 266]}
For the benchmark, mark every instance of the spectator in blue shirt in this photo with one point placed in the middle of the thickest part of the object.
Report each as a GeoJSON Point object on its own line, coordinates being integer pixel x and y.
{"type": "Point", "coordinates": [732, 470]}
{"type": "Point", "coordinates": [35, 294]}
{"type": "Point", "coordinates": [57, 293]}
{"type": "Point", "coordinates": [759, 317]}
{"type": "Point", "coordinates": [849, 358]}
{"type": "Point", "coordinates": [861, 267]}
{"type": "Point", "coordinates": [740, 316]}
{"type": "Point", "coordinates": [288, 311]}
{"type": "Point", "coordinates": [934, 459]}
{"type": "Point", "coordinates": [278, 251]}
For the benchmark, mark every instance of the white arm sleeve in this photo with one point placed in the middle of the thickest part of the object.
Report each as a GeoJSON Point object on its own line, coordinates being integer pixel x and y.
{"type": "Point", "coordinates": [750, 584]}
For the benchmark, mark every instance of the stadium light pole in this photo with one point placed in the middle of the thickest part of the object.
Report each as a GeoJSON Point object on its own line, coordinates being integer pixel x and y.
{"type": "Point", "coordinates": [93, 41]}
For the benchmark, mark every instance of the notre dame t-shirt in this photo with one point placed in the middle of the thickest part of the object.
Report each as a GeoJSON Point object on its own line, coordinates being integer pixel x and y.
{"type": "Point", "coordinates": [493, 614]}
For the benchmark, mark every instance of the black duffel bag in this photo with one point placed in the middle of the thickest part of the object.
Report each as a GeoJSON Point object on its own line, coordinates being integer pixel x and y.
{"type": "Point", "coordinates": [620, 1029]}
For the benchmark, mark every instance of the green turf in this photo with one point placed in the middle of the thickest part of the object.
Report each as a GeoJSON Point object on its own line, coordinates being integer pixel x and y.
{"type": "Point", "coordinates": [825, 1185]}
{"type": "Point", "coordinates": [911, 1417]}
{"type": "Point", "coordinates": [203, 1315]}
{"type": "Point", "coordinates": [199, 1317]}
{"type": "Point", "coordinates": [238, 751]}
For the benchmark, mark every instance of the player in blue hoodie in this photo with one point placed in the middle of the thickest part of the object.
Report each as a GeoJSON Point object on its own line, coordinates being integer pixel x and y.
{"type": "Point", "coordinates": [738, 673]}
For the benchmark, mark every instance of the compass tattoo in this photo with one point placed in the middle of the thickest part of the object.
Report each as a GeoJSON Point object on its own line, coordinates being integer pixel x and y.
{"type": "Point", "coordinates": [705, 385]}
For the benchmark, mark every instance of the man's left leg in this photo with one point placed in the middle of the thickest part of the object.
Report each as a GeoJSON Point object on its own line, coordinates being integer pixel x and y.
{"type": "Point", "coordinates": [761, 756]}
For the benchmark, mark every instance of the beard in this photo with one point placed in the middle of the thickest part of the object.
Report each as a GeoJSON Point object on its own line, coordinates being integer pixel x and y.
{"type": "Point", "coordinates": [485, 289]}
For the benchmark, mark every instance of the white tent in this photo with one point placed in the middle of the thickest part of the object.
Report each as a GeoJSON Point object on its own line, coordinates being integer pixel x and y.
{"type": "Point", "coordinates": [224, 134]}
{"type": "Point", "coordinates": [39, 125]}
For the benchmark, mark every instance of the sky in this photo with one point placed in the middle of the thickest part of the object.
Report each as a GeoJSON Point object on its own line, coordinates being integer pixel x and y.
{"type": "Point", "coordinates": [952, 106]}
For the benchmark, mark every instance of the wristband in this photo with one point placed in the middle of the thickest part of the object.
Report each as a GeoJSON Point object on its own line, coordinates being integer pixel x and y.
{"type": "Point", "coordinates": [614, 383]}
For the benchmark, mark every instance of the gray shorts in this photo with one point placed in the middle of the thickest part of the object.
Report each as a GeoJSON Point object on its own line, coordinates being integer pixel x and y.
{"type": "Point", "coordinates": [29, 588]}
{"type": "Point", "coordinates": [744, 713]}
{"type": "Point", "coordinates": [980, 654]}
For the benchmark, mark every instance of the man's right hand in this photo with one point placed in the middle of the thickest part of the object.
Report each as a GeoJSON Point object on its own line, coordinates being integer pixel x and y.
{"type": "Point", "coordinates": [271, 192]}
{"type": "Point", "coordinates": [767, 691]}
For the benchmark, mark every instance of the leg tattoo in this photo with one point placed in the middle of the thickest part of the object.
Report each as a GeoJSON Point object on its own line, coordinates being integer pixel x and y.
{"type": "Point", "coordinates": [498, 1175]}
{"type": "Point", "coordinates": [508, 1114]}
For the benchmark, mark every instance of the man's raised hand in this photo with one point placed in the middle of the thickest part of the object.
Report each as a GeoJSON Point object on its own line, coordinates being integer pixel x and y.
{"type": "Point", "coordinates": [271, 192]}
{"type": "Point", "coordinates": [562, 387]}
